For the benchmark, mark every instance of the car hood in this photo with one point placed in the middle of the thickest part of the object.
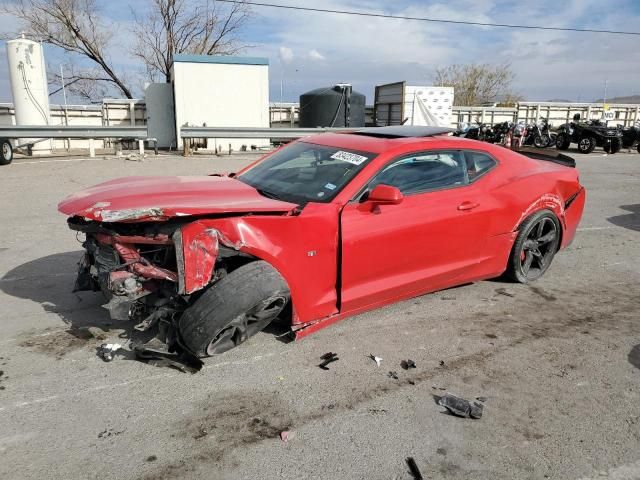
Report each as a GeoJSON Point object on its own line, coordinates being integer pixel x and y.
{"type": "Point", "coordinates": [160, 198]}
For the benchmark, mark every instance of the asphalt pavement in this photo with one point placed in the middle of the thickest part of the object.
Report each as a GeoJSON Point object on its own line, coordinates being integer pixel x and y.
{"type": "Point", "coordinates": [557, 362]}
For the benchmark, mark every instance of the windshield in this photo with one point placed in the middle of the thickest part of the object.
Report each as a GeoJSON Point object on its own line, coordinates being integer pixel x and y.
{"type": "Point", "coordinates": [304, 172]}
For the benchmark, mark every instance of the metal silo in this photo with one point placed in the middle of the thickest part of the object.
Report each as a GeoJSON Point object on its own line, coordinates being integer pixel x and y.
{"type": "Point", "coordinates": [337, 106]}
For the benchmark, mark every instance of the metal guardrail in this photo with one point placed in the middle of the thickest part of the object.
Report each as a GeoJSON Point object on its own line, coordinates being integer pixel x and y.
{"type": "Point", "coordinates": [73, 131]}
{"type": "Point", "coordinates": [78, 131]}
{"type": "Point", "coordinates": [224, 132]}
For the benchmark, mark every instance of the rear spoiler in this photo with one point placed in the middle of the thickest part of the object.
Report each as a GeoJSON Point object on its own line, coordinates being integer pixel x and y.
{"type": "Point", "coordinates": [554, 157]}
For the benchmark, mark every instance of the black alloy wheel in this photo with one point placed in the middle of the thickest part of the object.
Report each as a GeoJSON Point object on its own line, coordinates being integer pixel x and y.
{"type": "Point", "coordinates": [535, 247]}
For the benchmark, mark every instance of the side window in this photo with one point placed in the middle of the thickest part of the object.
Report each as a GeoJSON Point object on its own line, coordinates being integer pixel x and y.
{"type": "Point", "coordinates": [424, 172]}
{"type": "Point", "coordinates": [478, 164]}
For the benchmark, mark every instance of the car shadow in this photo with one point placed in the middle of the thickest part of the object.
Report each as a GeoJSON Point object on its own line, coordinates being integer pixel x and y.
{"type": "Point", "coordinates": [49, 281]}
{"type": "Point", "coordinates": [631, 220]}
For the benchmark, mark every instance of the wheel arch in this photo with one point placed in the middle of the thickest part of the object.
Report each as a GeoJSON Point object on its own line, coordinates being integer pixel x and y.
{"type": "Point", "coordinates": [253, 254]}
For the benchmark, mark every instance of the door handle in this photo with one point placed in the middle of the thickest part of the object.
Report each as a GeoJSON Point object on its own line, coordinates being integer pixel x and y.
{"type": "Point", "coordinates": [468, 205]}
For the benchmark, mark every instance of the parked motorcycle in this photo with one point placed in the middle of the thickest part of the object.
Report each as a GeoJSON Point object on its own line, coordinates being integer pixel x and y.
{"type": "Point", "coordinates": [501, 133]}
{"type": "Point", "coordinates": [475, 131]}
{"type": "Point", "coordinates": [539, 134]}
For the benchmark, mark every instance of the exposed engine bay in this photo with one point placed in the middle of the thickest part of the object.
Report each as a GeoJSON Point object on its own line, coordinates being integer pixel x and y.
{"type": "Point", "coordinates": [140, 269]}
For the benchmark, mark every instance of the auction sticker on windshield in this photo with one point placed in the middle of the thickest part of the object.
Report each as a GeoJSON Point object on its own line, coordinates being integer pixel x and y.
{"type": "Point", "coordinates": [348, 157]}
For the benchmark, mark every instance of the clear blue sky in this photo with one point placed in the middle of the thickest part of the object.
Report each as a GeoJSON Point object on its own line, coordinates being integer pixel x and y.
{"type": "Point", "coordinates": [311, 50]}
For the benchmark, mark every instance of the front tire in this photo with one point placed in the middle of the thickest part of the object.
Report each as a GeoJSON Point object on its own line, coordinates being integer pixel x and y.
{"type": "Point", "coordinates": [612, 147]}
{"type": "Point", "coordinates": [586, 145]}
{"type": "Point", "coordinates": [535, 246]}
{"type": "Point", "coordinates": [563, 141]}
{"type": "Point", "coordinates": [235, 308]}
{"type": "Point", "coordinates": [6, 152]}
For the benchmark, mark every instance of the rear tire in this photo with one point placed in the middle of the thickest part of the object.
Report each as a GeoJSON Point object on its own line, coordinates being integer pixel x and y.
{"type": "Point", "coordinates": [6, 152]}
{"type": "Point", "coordinates": [563, 141]}
{"type": "Point", "coordinates": [586, 145]}
{"type": "Point", "coordinates": [235, 308]}
{"type": "Point", "coordinates": [535, 246]}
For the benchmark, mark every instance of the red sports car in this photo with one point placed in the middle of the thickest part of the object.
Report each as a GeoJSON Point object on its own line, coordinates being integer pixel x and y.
{"type": "Point", "coordinates": [323, 228]}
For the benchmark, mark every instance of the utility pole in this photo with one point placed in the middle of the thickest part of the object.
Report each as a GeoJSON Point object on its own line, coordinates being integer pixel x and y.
{"type": "Point", "coordinates": [66, 113]}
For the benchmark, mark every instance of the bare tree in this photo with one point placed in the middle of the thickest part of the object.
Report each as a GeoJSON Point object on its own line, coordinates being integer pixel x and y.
{"type": "Point", "coordinates": [76, 27]}
{"type": "Point", "coordinates": [200, 27]}
{"type": "Point", "coordinates": [475, 84]}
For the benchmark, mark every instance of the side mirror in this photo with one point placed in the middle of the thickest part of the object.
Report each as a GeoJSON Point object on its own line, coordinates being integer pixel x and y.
{"type": "Point", "coordinates": [385, 195]}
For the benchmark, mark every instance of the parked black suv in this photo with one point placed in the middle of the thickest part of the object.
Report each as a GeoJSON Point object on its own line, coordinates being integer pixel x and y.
{"type": "Point", "coordinates": [588, 135]}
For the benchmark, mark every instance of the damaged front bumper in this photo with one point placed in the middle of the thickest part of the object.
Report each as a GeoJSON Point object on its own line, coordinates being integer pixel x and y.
{"type": "Point", "coordinates": [146, 271]}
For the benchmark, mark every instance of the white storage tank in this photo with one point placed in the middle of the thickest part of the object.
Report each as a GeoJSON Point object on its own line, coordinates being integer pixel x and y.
{"type": "Point", "coordinates": [29, 87]}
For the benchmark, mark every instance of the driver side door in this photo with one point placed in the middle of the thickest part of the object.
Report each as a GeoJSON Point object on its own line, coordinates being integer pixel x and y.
{"type": "Point", "coordinates": [431, 240]}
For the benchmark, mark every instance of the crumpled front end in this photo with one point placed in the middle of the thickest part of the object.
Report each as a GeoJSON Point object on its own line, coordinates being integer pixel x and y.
{"type": "Point", "coordinates": [146, 271]}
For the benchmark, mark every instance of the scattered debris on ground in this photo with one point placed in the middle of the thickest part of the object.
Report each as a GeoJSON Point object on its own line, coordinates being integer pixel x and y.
{"type": "Point", "coordinates": [377, 411]}
{"type": "Point", "coordinates": [442, 364]}
{"type": "Point", "coordinates": [378, 360]}
{"type": "Point", "coordinates": [151, 458]}
{"type": "Point", "coordinates": [108, 432]}
{"type": "Point", "coordinates": [413, 468]}
{"type": "Point", "coordinates": [407, 364]}
{"type": "Point", "coordinates": [2, 375]}
{"type": "Point", "coordinates": [106, 351]}
{"type": "Point", "coordinates": [460, 407]}
{"type": "Point", "coordinates": [327, 359]}
{"type": "Point", "coordinates": [503, 291]}
{"type": "Point", "coordinates": [287, 435]}
{"type": "Point", "coordinates": [201, 433]}
{"type": "Point", "coordinates": [393, 375]}
{"type": "Point", "coordinates": [157, 353]}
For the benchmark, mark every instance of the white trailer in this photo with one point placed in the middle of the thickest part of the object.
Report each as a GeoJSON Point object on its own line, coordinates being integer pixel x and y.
{"type": "Point", "coordinates": [402, 104]}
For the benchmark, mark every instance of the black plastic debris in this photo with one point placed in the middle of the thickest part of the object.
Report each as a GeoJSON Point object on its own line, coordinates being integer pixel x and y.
{"type": "Point", "coordinates": [442, 363]}
{"type": "Point", "coordinates": [502, 291]}
{"type": "Point", "coordinates": [159, 354]}
{"type": "Point", "coordinates": [327, 359]}
{"type": "Point", "coordinates": [393, 375]}
{"type": "Point", "coordinates": [413, 468]}
{"type": "Point", "coordinates": [407, 364]}
{"type": "Point", "coordinates": [461, 407]}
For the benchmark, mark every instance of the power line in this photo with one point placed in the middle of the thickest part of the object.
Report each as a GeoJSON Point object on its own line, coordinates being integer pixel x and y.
{"type": "Point", "coordinates": [433, 20]}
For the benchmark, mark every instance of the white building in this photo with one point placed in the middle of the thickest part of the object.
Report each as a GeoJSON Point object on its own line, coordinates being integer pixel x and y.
{"type": "Point", "coordinates": [221, 91]}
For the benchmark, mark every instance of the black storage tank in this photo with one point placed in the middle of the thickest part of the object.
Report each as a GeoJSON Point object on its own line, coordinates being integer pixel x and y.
{"type": "Point", "coordinates": [337, 106]}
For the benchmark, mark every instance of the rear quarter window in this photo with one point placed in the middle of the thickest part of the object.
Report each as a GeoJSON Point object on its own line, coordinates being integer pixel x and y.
{"type": "Point", "coordinates": [478, 163]}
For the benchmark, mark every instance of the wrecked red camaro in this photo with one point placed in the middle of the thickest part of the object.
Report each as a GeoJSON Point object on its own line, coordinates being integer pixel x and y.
{"type": "Point", "coordinates": [323, 228]}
